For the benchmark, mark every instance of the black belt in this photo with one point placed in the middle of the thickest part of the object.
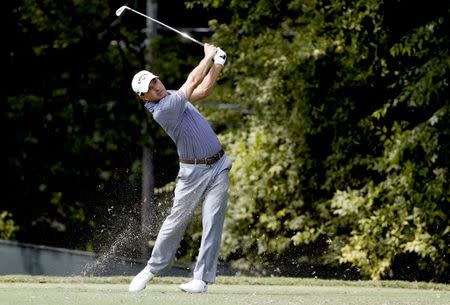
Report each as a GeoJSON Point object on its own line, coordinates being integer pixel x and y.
{"type": "Point", "coordinates": [209, 160]}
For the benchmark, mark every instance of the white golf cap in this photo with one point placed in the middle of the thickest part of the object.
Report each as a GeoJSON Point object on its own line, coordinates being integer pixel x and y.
{"type": "Point", "coordinates": [141, 80]}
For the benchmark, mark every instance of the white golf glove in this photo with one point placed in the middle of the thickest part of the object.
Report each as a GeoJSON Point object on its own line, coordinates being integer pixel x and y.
{"type": "Point", "coordinates": [220, 57]}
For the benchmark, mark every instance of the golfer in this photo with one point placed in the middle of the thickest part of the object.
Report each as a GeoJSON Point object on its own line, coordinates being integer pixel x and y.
{"type": "Point", "coordinates": [203, 174]}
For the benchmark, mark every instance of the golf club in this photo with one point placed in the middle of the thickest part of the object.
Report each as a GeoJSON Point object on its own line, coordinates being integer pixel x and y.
{"type": "Point", "coordinates": [121, 9]}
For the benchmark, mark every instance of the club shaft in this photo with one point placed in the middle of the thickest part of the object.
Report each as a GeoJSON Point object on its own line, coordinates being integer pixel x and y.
{"type": "Point", "coordinates": [167, 26]}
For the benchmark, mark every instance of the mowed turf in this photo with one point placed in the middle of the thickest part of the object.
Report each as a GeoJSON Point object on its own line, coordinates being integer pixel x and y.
{"type": "Point", "coordinates": [100, 291]}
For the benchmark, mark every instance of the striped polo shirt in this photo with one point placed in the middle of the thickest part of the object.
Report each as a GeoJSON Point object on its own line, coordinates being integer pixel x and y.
{"type": "Point", "coordinates": [191, 132]}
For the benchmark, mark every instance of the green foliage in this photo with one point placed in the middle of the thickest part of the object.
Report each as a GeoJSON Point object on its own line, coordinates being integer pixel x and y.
{"type": "Point", "coordinates": [346, 134]}
{"type": "Point", "coordinates": [76, 130]}
{"type": "Point", "coordinates": [339, 135]}
{"type": "Point", "coordinates": [77, 127]}
{"type": "Point", "coordinates": [405, 210]}
{"type": "Point", "coordinates": [272, 213]}
{"type": "Point", "coordinates": [7, 226]}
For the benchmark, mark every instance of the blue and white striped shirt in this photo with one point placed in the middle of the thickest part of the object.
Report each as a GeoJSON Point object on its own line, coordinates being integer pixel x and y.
{"type": "Point", "coordinates": [191, 132]}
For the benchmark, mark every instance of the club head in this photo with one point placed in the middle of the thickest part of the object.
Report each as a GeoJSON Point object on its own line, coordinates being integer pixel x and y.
{"type": "Point", "coordinates": [120, 10]}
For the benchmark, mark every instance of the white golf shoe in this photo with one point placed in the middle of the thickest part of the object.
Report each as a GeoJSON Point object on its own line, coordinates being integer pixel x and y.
{"type": "Point", "coordinates": [195, 286]}
{"type": "Point", "coordinates": [140, 280]}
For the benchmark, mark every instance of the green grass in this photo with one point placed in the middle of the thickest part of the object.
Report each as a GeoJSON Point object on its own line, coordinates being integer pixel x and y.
{"type": "Point", "coordinates": [36, 290]}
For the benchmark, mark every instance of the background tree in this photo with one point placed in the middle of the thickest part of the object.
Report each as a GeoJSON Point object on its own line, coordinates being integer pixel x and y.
{"type": "Point", "coordinates": [335, 114]}
{"type": "Point", "coordinates": [64, 104]}
{"type": "Point", "coordinates": [342, 158]}
{"type": "Point", "coordinates": [74, 131]}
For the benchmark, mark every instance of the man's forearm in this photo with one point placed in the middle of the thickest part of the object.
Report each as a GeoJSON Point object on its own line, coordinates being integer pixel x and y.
{"type": "Point", "coordinates": [211, 78]}
{"type": "Point", "coordinates": [208, 83]}
{"type": "Point", "coordinates": [198, 74]}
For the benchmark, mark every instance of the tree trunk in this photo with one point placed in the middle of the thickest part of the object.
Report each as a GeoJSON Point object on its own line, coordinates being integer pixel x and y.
{"type": "Point", "coordinates": [148, 216]}
{"type": "Point", "coordinates": [148, 209]}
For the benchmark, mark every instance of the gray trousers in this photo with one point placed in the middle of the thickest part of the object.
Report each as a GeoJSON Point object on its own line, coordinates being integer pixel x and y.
{"type": "Point", "coordinates": [196, 183]}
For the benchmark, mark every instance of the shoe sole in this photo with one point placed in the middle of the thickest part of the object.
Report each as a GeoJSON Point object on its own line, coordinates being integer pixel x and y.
{"type": "Point", "coordinates": [194, 292]}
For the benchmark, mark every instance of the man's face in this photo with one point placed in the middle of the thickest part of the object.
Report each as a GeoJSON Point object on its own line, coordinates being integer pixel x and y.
{"type": "Point", "coordinates": [156, 91]}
